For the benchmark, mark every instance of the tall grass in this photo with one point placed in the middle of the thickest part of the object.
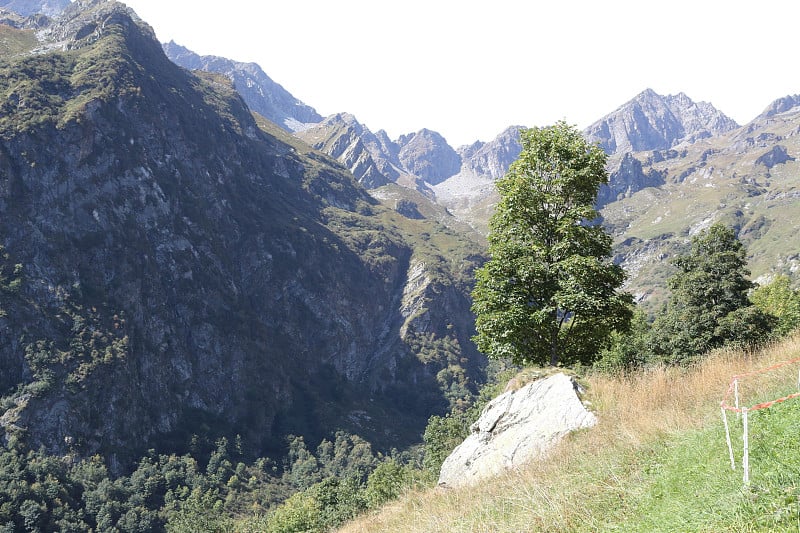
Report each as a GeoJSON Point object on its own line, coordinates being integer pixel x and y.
{"type": "Point", "coordinates": [656, 461]}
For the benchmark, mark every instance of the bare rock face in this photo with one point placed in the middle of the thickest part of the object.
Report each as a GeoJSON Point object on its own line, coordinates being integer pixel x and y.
{"type": "Point", "coordinates": [258, 90]}
{"type": "Point", "coordinates": [654, 122]}
{"type": "Point", "coordinates": [27, 8]}
{"type": "Point", "coordinates": [515, 428]}
{"type": "Point", "coordinates": [426, 154]}
{"type": "Point", "coordinates": [493, 158]}
{"type": "Point", "coordinates": [169, 269]}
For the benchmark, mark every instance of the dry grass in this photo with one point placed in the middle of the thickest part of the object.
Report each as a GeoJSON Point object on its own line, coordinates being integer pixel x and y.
{"type": "Point", "coordinates": [591, 480]}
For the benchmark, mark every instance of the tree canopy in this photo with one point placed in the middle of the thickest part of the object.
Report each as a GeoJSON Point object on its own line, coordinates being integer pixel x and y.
{"type": "Point", "coordinates": [709, 303]}
{"type": "Point", "coordinates": [549, 293]}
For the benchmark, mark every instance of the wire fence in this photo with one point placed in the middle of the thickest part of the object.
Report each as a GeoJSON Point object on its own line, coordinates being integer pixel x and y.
{"type": "Point", "coordinates": [754, 391]}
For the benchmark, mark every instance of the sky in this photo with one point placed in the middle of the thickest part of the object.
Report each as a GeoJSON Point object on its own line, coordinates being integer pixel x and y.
{"type": "Point", "coordinates": [468, 69]}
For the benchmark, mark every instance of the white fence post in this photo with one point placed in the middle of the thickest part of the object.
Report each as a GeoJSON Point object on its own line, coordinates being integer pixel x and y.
{"type": "Point", "coordinates": [728, 438]}
{"type": "Point", "coordinates": [746, 456]}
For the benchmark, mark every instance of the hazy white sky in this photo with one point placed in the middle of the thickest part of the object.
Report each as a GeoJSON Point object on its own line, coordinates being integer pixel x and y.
{"type": "Point", "coordinates": [469, 69]}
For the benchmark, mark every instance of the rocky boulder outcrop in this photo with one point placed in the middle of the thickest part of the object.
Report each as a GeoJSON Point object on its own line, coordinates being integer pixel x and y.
{"type": "Point", "coordinates": [517, 427]}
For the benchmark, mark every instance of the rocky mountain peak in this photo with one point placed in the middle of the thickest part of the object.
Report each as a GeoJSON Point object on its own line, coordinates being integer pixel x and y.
{"type": "Point", "coordinates": [653, 122]}
{"type": "Point", "coordinates": [781, 105]}
{"type": "Point", "coordinates": [492, 158]}
{"type": "Point", "coordinates": [426, 154]}
{"type": "Point", "coordinates": [26, 8]}
{"type": "Point", "coordinates": [84, 22]}
{"type": "Point", "coordinates": [259, 91]}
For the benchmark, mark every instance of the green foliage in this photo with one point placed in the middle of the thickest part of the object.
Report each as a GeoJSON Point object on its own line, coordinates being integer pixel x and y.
{"type": "Point", "coordinates": [201, 512]}
{"type": "Point", "coordinates": [627, 350]}
{"type": "Point", "coordinates": [709, 305]}
{"type": "Point", "coordinates": [387, 482]}
{"type": "Point", "coordinates": [690, 485]}
{"type": "Point", "coordinates": [549, 293]}
{"type": "Point", "coordinates": [779, 300]}
{"type": "Point", "coordinates": [444, 433]}
{"type": "Point", "coordinates": [176, 494]}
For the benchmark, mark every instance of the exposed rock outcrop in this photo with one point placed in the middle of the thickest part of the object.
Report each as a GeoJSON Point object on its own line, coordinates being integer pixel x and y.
{"type": "Point", "coordinates": [426, 154]}
{"type": "Point", "coordinates": [781, 105]}
{"type": "Point", "coordinates": [654, 122]}
{"type": "Point", "coordinates": [258, 90]}
{"type": "Point", "coordinates": [342, 137]}
{"type": "Point", "coordinates": [515, 428]}
{"type": "Point", "coordinates": [32, 7]}
{"type": "Point", "coordinates": [493, 158]}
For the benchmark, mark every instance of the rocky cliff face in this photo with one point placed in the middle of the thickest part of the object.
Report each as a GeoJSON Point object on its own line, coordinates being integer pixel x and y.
{"type": "Point", "coordinates": [170, 269]}
{"type": "Point", "coordinates": [492, 159]}
{"type": "Point", "coordinates": [258, 90]}
{"type": "Point", "coordinates": [781, 105]}
{"type": "Point", "coordinates": [373, 158]}
{"type": "Point", "coordinates": [426, 154]}
{"type": "Point", "coordinates": [342, 137]}
{"type": "Point", "coordinates": [654, 122]}
{"type": "Point", "coordinates": [27, 8]}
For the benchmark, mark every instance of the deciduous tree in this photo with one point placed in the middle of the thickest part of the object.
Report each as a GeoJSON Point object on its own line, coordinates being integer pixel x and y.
{"type": "Point", "coordinates": [549, 293]}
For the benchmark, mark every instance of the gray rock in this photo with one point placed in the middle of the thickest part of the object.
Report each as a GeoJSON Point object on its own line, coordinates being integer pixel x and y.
{"type": "Point", "coordinates": [777, 156]}
{"type": "Point", "coordinates": [492, 159]}
{"type": "Point", "coordinates": [781, 105]}
{"type": "Point", "coordinates": [27, 8]}
{"type": "Point", "coordinates": [426, 154]}
{"type": "Point", "coordinates": [654, 122]}
{"type": "Point", "coordinates": [262, 94]}
{"type": "Point", "coordinates": [515, 428]}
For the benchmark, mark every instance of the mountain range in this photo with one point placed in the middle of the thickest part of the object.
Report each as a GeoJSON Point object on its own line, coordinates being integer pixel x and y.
{"type": "Point", "coordinates": [175, 268]}
{"type": "Point", "coordinates": [188, 251]}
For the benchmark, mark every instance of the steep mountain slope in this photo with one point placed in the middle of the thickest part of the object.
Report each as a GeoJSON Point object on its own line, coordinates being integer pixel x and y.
{"type": "Point", "coordinates": [650, 122]}
{"type": "Point", "coordinates": [415, 160]}
{"type": "Point", "coordinates": [426, 154]}
{"type": "Point", "coordinates": [363, 153]}
{"type": "Point", "coordinates": [747, 178]}
{"type": "Point", "coordinates": [172, 267]}
{"type": "Point", "coordinates": [261, 94]}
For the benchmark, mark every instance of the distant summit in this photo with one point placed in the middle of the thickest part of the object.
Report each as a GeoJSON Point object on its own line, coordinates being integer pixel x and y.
{"type": "Point", "coordinates": [492, 158]}
{"type": "Point", "coordinates": [781, 105]}
{"type": "Point", "coordinates": [258, 90]}
{"type": "Point", "coordinates": [26, 8]}
{"type": "Point", "coordinates": [426, 154]}
{"type": "Point", "coordinates": [654, 122]}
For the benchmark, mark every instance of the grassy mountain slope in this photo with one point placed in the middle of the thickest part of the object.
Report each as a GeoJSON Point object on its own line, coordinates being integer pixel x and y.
{"type": "Point", "coordinates": [657, 461]}
{"type": "Point", "coordinates": [748, 178]}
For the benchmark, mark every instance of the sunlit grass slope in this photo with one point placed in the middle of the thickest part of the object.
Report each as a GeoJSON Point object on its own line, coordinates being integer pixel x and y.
{"type": "Point", "coordinates": [657, 461]}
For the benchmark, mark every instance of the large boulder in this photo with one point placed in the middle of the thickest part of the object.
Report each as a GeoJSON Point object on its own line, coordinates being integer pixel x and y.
{"type": "Point", "coordinates": [517, 427]}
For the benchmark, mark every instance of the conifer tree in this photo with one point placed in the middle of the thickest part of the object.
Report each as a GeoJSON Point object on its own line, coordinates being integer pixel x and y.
{"type": "Point", "coordinates": [709, 304]}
